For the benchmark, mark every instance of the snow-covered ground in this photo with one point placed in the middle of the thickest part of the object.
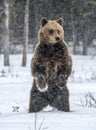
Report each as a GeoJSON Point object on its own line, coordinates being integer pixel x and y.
{"type": "Point", "coordinates": [15, 88]}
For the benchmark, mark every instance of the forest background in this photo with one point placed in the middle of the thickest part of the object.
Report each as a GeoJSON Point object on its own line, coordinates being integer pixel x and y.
{"type": "Point", "coordinates": [20, 22]}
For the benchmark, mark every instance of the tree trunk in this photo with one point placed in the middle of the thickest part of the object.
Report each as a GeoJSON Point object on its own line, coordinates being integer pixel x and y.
{"type": "Point", "coordinates": [74, 43]}
{"type": "Point", "coordinates": [74, 30]}
{"type": "Point", "coordinates": [85, 43]}
{"type": "Point", "coordinates": [36, 18]}
{"type": "Point", "coordinates": [6, 34]}
{"type": "Point", "coordinates": [36, 25]}
{"type": "Point", "coordinates": [26, 33]}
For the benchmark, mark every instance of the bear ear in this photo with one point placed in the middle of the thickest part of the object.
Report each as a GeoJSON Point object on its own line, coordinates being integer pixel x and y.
{"type": "Point", "coordinates": [43, 21]}
{"type": "Point", "coordinates": [60, 21]}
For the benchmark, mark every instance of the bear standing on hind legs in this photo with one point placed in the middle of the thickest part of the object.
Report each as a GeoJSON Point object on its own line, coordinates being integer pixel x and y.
{"type": "Point", "coordinates": [51, 66]}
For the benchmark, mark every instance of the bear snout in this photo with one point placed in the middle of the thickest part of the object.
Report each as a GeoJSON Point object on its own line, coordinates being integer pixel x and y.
{"type": "Point", "coordinates": [57, 38]}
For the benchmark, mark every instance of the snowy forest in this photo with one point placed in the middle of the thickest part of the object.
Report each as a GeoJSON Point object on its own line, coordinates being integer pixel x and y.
{"type": "Point", "coordinates": [20, 22]}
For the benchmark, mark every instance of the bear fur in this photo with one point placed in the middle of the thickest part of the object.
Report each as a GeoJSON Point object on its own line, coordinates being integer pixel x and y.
{"type": "Point", "coordinates": [51, 66]}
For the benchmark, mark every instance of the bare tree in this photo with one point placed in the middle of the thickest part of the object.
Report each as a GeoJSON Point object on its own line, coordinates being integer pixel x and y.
{"type": "Point", "coordinates": [6, 34]}
{"type": "Point", "coordinates": [36, 19]}
{"type": "Point", "coordinates": [26, 33]}
{"type": "Point", "coordinates": [74, 30]}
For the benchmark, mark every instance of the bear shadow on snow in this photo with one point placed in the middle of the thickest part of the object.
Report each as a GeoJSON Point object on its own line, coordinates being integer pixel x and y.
{"type": "Point", "coordinates": [51, 66]}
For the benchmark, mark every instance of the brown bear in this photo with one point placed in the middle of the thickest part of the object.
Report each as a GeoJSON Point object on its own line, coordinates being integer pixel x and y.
{"type": "Point", "coordinates": [51, 66]}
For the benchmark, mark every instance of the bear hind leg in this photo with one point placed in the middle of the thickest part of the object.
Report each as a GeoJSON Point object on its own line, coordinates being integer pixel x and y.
{"type": "Point", "coordinates": [37, 99]}
{"type": "Point", "coordinates": [61, 102]}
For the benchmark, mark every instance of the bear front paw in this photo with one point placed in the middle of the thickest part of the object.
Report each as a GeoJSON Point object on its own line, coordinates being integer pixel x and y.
{"type": "Point", "coordinates": [41, 83]}
{"type": "Point", "coordinates": [61, 81]}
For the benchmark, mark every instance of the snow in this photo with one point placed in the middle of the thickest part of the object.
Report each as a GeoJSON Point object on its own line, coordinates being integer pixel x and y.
{"type": "Point", "coordinates": [15, 88]}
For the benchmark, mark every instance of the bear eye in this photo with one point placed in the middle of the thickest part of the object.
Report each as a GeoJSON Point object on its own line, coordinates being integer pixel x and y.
{"type": "Point", "coordinates": [51, 31]}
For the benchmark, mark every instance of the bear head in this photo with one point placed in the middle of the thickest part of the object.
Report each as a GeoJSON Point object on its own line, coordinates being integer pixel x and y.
{"type": "Point", "coordinates": [51, 31]}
